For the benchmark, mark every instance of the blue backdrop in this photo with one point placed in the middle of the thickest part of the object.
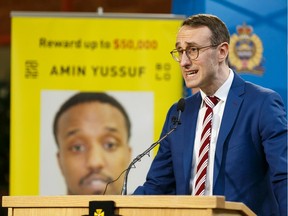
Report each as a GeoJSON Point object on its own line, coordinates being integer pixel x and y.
{"type": "Point", "coordinates": [269, 21]}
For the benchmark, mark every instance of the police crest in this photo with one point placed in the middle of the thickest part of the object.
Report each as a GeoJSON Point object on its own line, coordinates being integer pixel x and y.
{"type": "Point", "coordinates": [245, 52]}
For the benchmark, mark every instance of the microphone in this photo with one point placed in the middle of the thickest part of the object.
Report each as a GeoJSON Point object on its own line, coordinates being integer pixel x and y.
{"type": "Point", "coordinates": [180, 109]}
{"type": "Point", "coordinates": [176, 122]}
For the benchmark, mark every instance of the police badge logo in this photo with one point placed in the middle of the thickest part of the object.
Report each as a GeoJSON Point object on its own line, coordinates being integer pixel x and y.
{"type": "Point", "coordinates": [245, 52]}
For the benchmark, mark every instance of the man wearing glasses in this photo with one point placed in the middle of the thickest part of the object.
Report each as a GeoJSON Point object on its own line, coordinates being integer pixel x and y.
{"type": "Point", "coordinates": [232, 140]}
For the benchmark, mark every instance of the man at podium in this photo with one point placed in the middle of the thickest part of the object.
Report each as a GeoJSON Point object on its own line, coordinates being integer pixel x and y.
{"type": "Point", "coordinates": [232, 140]}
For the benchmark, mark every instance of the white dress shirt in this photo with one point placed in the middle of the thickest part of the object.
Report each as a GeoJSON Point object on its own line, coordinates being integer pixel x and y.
{"type": "Point", "coordinates": [218, 110]}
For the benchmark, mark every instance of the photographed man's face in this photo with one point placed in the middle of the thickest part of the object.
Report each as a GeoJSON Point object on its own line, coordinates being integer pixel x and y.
{"type": "Point", "coordinates": [93, 148]}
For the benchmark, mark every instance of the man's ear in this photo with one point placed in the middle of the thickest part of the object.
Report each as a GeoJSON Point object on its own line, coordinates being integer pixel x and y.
{"type": "Point", "coordinates": [223, 51]}
{"type": "Point", "coordinates": [59, 161]}
{"type": "Point", "coordinates": [130, 152]}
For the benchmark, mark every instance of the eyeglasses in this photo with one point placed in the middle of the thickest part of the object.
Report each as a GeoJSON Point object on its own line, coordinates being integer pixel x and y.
{"type": "Point", "coordinates": [191, 52]}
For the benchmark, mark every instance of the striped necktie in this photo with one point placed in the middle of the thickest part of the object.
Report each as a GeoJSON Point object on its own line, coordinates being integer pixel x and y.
{"type": "Point", "coordinates": [201, 170]}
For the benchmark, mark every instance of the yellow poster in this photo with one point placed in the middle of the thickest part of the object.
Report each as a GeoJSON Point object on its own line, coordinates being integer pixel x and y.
{"type": "Point", "coordinates": [56, 55]}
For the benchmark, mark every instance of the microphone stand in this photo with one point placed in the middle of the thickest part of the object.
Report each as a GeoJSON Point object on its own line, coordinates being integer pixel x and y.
{"type": "Point", "coordinates": [180, 109]}
{"type": "Point", "coordinates": [146, 152]}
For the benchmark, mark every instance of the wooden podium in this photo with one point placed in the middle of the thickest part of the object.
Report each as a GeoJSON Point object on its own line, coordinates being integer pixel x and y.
{"type": "Point", "coordinates": [125, 205]}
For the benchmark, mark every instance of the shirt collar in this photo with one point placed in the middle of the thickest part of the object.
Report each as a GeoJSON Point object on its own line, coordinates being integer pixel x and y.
{"type": "Point", "coordinates": [222, 92]}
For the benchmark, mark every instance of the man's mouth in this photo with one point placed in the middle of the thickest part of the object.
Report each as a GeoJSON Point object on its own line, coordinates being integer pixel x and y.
{"type": "Point", "coordinates": [94, 181]}
{"type": "Point", "coordinates": [191, 73]}
{"type": "Point", "coordinates": [93, 186]}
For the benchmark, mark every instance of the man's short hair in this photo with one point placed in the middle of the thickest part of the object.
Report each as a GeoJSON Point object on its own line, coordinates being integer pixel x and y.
{"type": "Point", "coordinates": [218, 28]}
{"type": "Point", "coordinates": [86, 97]}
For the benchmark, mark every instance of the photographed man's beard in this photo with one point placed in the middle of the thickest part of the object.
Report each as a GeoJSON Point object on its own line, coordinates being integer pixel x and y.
{"type": "Point", "coordinates": [95, 178]}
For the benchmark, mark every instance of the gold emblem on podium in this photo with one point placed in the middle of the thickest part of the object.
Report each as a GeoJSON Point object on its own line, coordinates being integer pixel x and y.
{"type": "Point", "coordinates": [99, 212]}
{"type": "Point", "coordinates": [246, 50]}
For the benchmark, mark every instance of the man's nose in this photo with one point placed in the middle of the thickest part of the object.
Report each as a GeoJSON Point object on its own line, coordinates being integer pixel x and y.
{"type": "Point", "coordinates": [185, 60]}
{"type": "Point", "coordinates": [95, 158]}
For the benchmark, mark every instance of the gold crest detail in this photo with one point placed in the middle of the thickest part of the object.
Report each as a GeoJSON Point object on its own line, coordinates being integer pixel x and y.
{"type": "Point", "coordinates": [246, 50]}
{"type": "Point", "coordinates": [99, 212]}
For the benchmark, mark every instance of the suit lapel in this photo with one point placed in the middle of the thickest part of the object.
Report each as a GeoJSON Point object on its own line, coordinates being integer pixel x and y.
{"type": "Point", "coordinates": [193, 104]}
{"type": "Point", "coordinates": [231, 110]}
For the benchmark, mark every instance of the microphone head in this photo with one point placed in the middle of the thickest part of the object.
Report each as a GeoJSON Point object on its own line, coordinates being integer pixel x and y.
{"type": "Point", "coordinates": [181, 105]}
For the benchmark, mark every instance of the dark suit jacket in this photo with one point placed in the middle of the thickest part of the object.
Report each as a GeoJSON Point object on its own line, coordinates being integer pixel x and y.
{"type": "Point", "coordinates": [251, 153]}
